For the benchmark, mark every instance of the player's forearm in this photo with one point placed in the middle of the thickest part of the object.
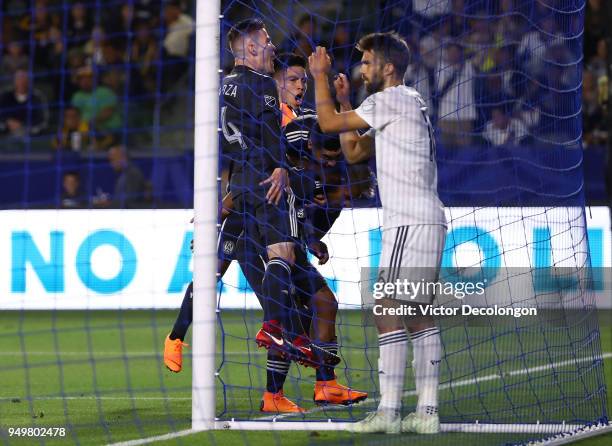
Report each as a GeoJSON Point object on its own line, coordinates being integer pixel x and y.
{"type": "Point", "coordinates": [348, 140]}
{"type": "Point", "coordinates": [326, 109]}
{"type": "Point", "coordinates": [227, 204]}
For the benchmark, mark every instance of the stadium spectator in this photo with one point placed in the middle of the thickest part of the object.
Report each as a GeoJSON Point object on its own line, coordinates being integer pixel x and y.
{"type": "Point", "coordinates": [179, 28]}
{"type": "Point", "coordinates": [429, 11]}
{"type": "Point", "coordinates": [130, 186]}
{"type": "Point", "coordinates": [144, 55]}
{"type": "Point", "coordinates": [14, 7]}
{"type": "Point", "coordinates": [147, 10]}
{"type": "Point", "coordinates": [301, 41]}
{"type": "Point", "coordinates": [503, 130]}
{"type": "Point", "coordinates": [342, 49]}
{"type": "Point", "coordinates": [13, 60]}
{"type": "Point", "coordinates": [79, 25]}
{"type": "Point", "coordinates": [45, 30]}
{"type": "Point", "coordinates": [599, 62]}
{"type": "Point", "coordinates": [23, 110]}
{"type": "Point", "coordinates": [74, 134]}
{"type": "Point", "coordinates": [594, 126]}
{"type": "Point", "coordinates": [490, 92]}
{"type": "Point", "coordinates": [457, 18]}
{"type": "Point", "coordinates": [453, 102]}
{"type": "Point", "coordinates": [111, 69]}
{"type": "Point", "coordinates": [532, 49]}
{"type": "Point", "coordinates": [98, 104]}
{"type": "Point", "coordinates": [69, 84]}
{"type": "Point", "coordinates": [112, 52]}
{"type": "Point", "coordinates": [478, 44]}
{"type": "Point", "coordinates": [72, 196]}
{"type": "Point", "coordinates": [119, 28]}
{"type": "Point", "coordinates": [595, 26]}
{"type": "Point", "coordinates": [511, 25]}
{"type": "Point", "coordinates": [527, 106]}
{"type": "Point", "coordinates": [505, 67]}
{"type": "Point", "coordinates": [421, 74]}
{"type": "Point", "coordinates": [93, 47]}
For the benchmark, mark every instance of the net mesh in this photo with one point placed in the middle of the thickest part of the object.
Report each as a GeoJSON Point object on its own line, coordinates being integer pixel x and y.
{"type": "Point", "coordinates": [89, 296]}
{"type": "Point", "coordinates": [502, 82]}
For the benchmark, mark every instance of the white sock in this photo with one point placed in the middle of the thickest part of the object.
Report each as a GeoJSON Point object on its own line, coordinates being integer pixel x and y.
{"type": "Point", "coordinates": [393, 348]}
{"type": "Point", "coordinates": [427, 348]}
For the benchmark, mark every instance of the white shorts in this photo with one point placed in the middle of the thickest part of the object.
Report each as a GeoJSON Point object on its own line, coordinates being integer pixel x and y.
{"type": "Point", "coordinates": [413, 253]}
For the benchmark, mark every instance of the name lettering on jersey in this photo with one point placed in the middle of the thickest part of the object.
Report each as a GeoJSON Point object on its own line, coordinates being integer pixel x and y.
{"type": "Point", "coordinates": [270, 101]}
{"type": "Point", "coordinates": [229, 90]}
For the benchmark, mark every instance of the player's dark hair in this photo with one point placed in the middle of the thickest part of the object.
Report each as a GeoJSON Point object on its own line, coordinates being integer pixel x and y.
{"type": "Point", "coordinates": [305, 18]}
{"type": "Point", "coordinates": [243, 28]}
{"type": "Point", "coordinates": [390, 46]}
{"type": "Point", "coordinates": [286, 60]}
{"type": "Point", "coordinates": [74, 173]}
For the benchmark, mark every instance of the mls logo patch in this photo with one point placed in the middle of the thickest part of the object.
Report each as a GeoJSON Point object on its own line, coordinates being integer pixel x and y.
{"type": "Point", "coordinates": [228, 247]}
{"type": "Point", "coordinates": [368, 104]}
{"type": "Point", "coordinates": [270, 101]}
{"type": "Point", "coordinates": [300, 213]}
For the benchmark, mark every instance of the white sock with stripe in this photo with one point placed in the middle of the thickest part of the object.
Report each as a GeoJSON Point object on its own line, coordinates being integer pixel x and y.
{"type": "Point", "coordinates": [393, 350]}
{"type": "Point", "coordinates": [427, 347]}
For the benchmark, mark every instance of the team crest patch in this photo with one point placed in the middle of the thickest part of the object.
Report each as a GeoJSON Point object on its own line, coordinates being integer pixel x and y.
{"type": "Point", "coordinates": [270, 101]}
{"type": "Point", "coordinates": [300, 213]}
{"type": "Point", "coordinates": [228, 247]}
{"type": "Point", "coordinates": [368, 104]}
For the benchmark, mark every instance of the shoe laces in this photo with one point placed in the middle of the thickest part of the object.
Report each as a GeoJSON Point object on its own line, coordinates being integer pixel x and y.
{"type": "Point", "coordinates": [178, 346]}
{"type": "Point", "coordinates": [370, 416]}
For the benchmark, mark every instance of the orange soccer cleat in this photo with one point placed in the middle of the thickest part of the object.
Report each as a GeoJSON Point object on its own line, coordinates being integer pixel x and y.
{"type": "Point", "coordinates": [331, 392]}
{"type": "Point", "coordinates": [278, 403]}
{"type": "Point", "coordinates": [173, 354]}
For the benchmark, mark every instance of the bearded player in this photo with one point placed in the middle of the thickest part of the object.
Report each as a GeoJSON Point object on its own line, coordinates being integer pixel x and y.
{"type": "Point", "coordinates": [414, 224]}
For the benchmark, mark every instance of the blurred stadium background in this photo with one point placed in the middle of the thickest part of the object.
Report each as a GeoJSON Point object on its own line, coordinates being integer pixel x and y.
{"type": "Point", "coordinates": [96, 112]}
{"type": "Point", "coordinates": [136, 59]}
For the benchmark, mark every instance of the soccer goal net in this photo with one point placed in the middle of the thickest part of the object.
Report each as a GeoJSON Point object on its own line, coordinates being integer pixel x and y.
{"type": "Point", "coordinates": [501, 81]}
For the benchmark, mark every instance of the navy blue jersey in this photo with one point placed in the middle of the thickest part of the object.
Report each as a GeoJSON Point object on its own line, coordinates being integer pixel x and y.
{"type": "Point", "coordinates": [251, 137]}
{"type": "Point", "coordinates": [307, 174]}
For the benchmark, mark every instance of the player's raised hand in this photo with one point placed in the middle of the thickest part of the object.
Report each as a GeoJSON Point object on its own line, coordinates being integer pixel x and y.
{"type": "Point", "coordinates": [343, 89]}
{"type": "Point", "coordinates": [319, 62]}
{"type": "Point", "coordinates": [279, 180]}
{"type": "Point", "coordinates": [320, 200]}
{"type": "Point", "coordinates": [319, 250]}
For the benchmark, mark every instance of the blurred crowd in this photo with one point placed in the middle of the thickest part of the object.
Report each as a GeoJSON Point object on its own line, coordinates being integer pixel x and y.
{"type": "Point", "coordinates": [106, 77]}
{"type": "Point", "coordinates": [493, 73]}
{"type": "Point", "coordinates": [80, 76]}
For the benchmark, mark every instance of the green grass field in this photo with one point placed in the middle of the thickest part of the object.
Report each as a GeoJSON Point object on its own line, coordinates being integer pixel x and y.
{"type": "Point", "coordinates": [100, 376]}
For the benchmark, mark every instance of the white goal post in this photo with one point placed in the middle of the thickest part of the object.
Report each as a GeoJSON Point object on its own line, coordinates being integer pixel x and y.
{"type": "Point", "coordinates": [205, 208]}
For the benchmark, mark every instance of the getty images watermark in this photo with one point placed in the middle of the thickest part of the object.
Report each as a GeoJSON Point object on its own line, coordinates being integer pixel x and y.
{"type": "Point", "coordinates": [438, 298]}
